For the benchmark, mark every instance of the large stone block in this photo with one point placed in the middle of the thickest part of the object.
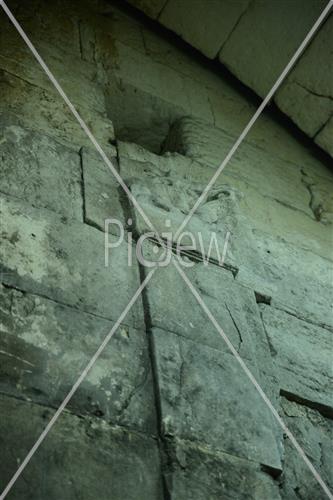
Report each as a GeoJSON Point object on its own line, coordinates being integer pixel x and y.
{"type": "Point", "coordinates": [297, 280]}
{"type": "Point", "coordinates": [47, 255]}
{"type": "Point", "coordinates": [39, 170]}
{"type": "Point", "coordinates": [193, 378]}
{"type": "Point", "coordinates": [80, 457]}
{"type": "Point", "coordinates": [314, 434]}
{"type": "Point", "coordinates": [196, 473]}
{"type": "Point", "coordinates": [46, 112]}
{"type": "Point", "coordinates": [253, 51]}
{"type": "Point", "coordinates": [205, 29]}
{"type": "Point", "coordinates": [45, 346]}
{"type": "Point", "coordinates": [173, 308]}
{"type": "Point", "coordinates": [303, 355]}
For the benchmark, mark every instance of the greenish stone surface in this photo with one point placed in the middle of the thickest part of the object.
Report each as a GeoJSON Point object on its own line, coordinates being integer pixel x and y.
{"type": "Point", "coordinates": [44, 347]}
{"type": "Point", "coordinates": [80, 457]}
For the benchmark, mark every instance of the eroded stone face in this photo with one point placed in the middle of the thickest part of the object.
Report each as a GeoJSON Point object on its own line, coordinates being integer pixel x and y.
{"type": "Point", "coordinates": [65, 261]}
{"type": "Point", "coordinates": [314, 434]}
{"type": "Point", "coordinates": [40, 171]}
{"type": "Point", "coordinates": [198, 473]}
{"type": "Point", "coordinates": [302, 354]}
{"type": "Point", "coordinates": [193, 378]}
{"type": "Point", "coordinates": [45, 346]}
{"type": "Point", "coordinates": [79, 455]}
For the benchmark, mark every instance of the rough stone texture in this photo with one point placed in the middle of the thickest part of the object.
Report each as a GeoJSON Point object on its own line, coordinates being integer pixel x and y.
{"type": "Point", "coordinates": [293, 197]}
{"type": "Point", "coordinates": [39, 170]}
{"type": "Point", "coordinates": [197, 473]}
{"type": "Point", "coordinates": [79, 457]}
{"type": "Point", "coordinates": [46, 112]}
{"type": "Point", "coordinates": [192, 378]}
{"type": "Point", "coordinates": [302, 353]}
{"type": "Point", "coordinates": [103, 196]}
{"type": "Point", "coordinates": [314, 434]}
{"type": "Point", "coordinates": [51, 344]}
{"type": "Point", "coordinates": [166, 399]}
{"type": "Point", "coordinates": [296, 280]}
{"type": "Point", "coordinates": [64, 261]}
{"type": "Point", "coordinates": [204, 29]}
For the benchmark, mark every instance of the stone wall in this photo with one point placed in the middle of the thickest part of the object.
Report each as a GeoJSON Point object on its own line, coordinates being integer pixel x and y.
{"type": "Point", "coordinates": [166, 412]}
{"type": "Point", "coordinates": [255, 39]}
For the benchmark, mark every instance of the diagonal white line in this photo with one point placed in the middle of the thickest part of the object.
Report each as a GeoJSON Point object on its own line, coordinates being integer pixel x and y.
{"type": "Point", "coordinates": [77, 116]}
{"type": "Point", "coordinates": [75, 387]}
{"type": "Point", "coordinates": [256, 115]}
{"type": "Point", "coordinates": [254, 381]}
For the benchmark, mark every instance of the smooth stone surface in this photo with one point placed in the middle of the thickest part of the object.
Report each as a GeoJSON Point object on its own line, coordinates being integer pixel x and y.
{"type": "Point", "coordinates": [39, 170]}
{"type": "Point", "coordinates": [302, 353]}
{"type": "Point", "coordinates": [253, 51]}
{"type": "Point", "coordinates": [80, 457]}
{"type": "Point", "coordinates": [64, 261]}
{"type": "Point", "coordinates": [191, 379]}
{"type": "Point", "coordinates": [44, 347]}
{"type": "Point", "coordinates": [204, 29]}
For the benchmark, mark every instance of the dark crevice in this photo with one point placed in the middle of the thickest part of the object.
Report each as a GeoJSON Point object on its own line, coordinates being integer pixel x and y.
{"type": "Point", "coordinates": [324, 410]}
{"type": "Point", "coordinates": [158, 409]}
{"type": "Point", "coordinates": [83, 194]}
{"type": "Point", "coordinates": [262, 298]}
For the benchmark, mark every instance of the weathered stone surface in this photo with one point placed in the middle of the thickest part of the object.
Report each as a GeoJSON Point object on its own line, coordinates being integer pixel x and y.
{"type": "Point", "coordinates": [303, 355]}
{"type": "Point", "coordinates": [192, 378]}
{"type": "Point", "coordinates": [314, 433]}
{"type": "Point", "coordinates": [298, 280]}
{"type": "Point", "coordinates": [79, 458]}
{"type": "Point", "coordinates": [205, 29]}
{"type": "Point", "coordinates": [168, 186]}
{"type": "Point", "coordinates": [45, 254]}
{"type": "Point", "coordinates": [307, 95]}
{"type": "Point", "coordinates": [321, 196]}
{"type": "Point", "coordinates": [310, 111]}
{"type": "Point", "coordinates": [210, 144]}
{"type": "Point", "coordinates": [39, 170]}
{"type": "Point", "coordinates": [173, 307]}
{"type": "Point", "coordinates": [253, 51]}
{"type": "Point", "coordinates": [55, 25]}
{"type": "Point", "coordinates": [104, 198]}
{"type": "Point", "coordinates": [196, 473]}
{"type": "Point", "coordinates": [46, 112]}
{"type": "Point", "coordinates": [44, 347]}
